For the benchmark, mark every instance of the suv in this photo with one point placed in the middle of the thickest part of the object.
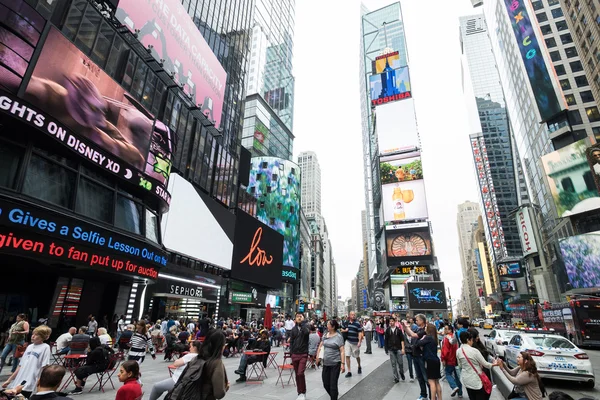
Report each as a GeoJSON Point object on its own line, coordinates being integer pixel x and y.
{"type": "Point", "coordinates": [497, 340]}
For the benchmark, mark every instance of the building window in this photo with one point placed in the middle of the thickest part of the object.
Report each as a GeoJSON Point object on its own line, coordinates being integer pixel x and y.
{"type": "Point", "coordinates": [587, 96]}
{"type": "Point", "coordinates": [49, 181]}
{"type": "Point", "coordinates": [566, 38]}
{"type": "Point", "coordinates": [10, 161]}
{"type": "Point", "coordinates": [565, 84]}
{"type": "Point", "coordinates": [557, 12]}
{"type": "Point", "coordinates": [128, 214]}
{"type": "Point", "coordinates": [570, 98]}
{"type": "Point", "coordinates": [560, 70]}
{"type": "Point", "coordinates": [567, 185]}
{"type": "Point", "coordinates": [550, 43]}
{"type": "Point", "coordinates": [555, 55]}
{"type": "Point", "coordinates": [562, 26]}
{"type": "Point", "coordinates": [537, 5]}
{"type": "Point", "coordinates": [581, 81]}
{"type": "Point", "coordinates": [546, 29]}
{"type": "Point", "coordinates": [571, 52]}
{"type": "Point", "coordinates": [575, 117]}
{"type": "Point", "coordinates": [593, 114]}
{"type": "Point", "coordinates": [550, 4]}
{"type": "Point", "coordinates": [576, 66]}
{"type": "Point", "coordinates": [541, 17]}
{"type": "Point", "coordinates": [95, 201]}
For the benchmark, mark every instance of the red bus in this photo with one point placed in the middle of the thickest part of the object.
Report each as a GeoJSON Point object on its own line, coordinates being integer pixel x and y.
{"type": "Point", "coordinates": [578, 320]}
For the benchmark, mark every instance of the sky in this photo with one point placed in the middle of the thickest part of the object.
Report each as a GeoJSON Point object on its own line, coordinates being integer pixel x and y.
{"type": "Point", "coordinates": [327, 119]}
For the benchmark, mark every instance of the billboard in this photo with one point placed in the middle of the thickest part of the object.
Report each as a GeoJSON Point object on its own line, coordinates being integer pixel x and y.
{"type": "Point", "coordinates": [409, 248]}
{"type": "Point", "coordinates": [571, 182]}
{"type": "Point", "coordinates": [407, 271]}
{"type": "Point", "coordinates": [393, 135]}
{"type": "Point", "coordinates": [389, 86]}
{"type": "Point", "coordinates": [478, 262]}
{"type": "Point", "coordinates": [509, 269]}
{"type": "Point", "coordinates": [404, 201]}
{"type": "Point", "coordinates": [398, 289]}
{"type": "Point", "coordinates": [261, 134]}
{"type": "Point", "coordinates": [581, 256]}
{"type": "Point", "coordinates": [593, 156]}
{"type": "Point", "coordinates": [258, 252]}
{"type": "Point", "coordinates": [543, 88]}
{"type": "Point", "coordinates": [426, 296]}
{"type": "Point", "coordinates": [526, 234]}
{"type": "Point", "coordinates": [164, 27]}
{"type": "Point", "coordinates": [391, 60]}
{"type": "Point", "coordinates": [400, 170]}
{"type": "Point", "coordinates": [508, 286]}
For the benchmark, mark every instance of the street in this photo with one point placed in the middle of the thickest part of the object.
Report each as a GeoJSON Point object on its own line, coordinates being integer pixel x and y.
{"type": "Point", "coordinates": [574, 389]}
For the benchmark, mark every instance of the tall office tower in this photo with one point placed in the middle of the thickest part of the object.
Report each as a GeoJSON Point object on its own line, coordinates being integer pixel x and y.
{"type": "Point", "coordinates": [466, 223]}
{"type": "Point", "coordinates": [311, 183]}
{"type": "Point", "coordinates": [584, 23]}
{"type": "Point", "coordinates": [493, 153]}
{"type": "Point", "coordinates": [269, 109]}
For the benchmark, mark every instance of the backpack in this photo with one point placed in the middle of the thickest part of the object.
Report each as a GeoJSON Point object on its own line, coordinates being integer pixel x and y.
{"type": "Point", "coordinates": [189, 385]}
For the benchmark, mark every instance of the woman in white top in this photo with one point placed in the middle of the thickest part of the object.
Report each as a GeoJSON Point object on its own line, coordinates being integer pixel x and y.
{"type": "Point", "coordinates": [164, 386]}
{"type": "Point", "coordinates": [470, 374]}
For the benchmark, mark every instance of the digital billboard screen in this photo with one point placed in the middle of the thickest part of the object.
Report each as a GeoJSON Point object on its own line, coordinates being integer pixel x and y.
{"type": "Point", "coordinates": [393, 136]}
{"type": "Point", "coordinates": [568, 174]}
{"type": "Point", "coordinates": [389, 59]}
{"type": "Point", "coordinates": [404, 201]}
{"type": "Point", "coordinates": [395, 169]}
{"type": "Point", "coordinates": [509, 269]}
{"type": "Point", "coordinates": [408, 248]}
{"type": "Point", "coordinates": [581, 256]}
{"type": "Point", "coordinates": [389, 86]}
{"type": "Point", "coordinates": [164, 27]}
{"type": "Point", "coordinates": [426, 296]}
{"type": "Point", "coordinates": [508, 286]}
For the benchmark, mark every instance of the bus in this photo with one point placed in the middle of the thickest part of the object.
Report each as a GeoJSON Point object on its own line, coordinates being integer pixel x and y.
{"type": "Point", "coordinates": [578, 320]}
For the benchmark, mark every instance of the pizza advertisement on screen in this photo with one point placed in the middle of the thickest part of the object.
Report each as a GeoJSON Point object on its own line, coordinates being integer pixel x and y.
{"type": "Point", "coordinates": [409, 247]}
{"type": "Point", "coordinates": [164, 27]}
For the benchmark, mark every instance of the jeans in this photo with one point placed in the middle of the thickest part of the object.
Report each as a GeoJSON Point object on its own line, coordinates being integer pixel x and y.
{"type": "Point", "coordinates": [381, 339]}
{"type": "Point", "coordinates": [330, 376]}
{"type": "Point", "coordinates": [244, 361]}
{"type": "Point", "coordinates": [66, 350]}
{"type": "Point", "coordinates": [453, 379]}
{"type": "Point", "coordinates": [421, 374]}
{"type": "Point", "coordinates": [160, 387]}
{"type": "Point", "coordinates": [409, 358]}
{"type": "Point", "coordinates": [397, 362]}
{"type": "Point", "coordinates": [369, 339]}
{"type": "Point", "coordinates": [10, 349]}
{"type": "Point", "coordinates": [299, 363]}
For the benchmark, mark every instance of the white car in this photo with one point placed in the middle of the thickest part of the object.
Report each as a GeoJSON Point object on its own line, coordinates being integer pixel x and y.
{"type": "Point", "coordinates": [497, 340]}
{"type": "Point", "coordinates": [500, 325]}
{"type": "Point", "coordinates": [555, 357]}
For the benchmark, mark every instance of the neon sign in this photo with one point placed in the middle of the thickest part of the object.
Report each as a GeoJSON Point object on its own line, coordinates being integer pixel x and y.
{"type": "Point", "coordinates": [539, 78]}
{"type": "Point", "coordinates": [256, 255]}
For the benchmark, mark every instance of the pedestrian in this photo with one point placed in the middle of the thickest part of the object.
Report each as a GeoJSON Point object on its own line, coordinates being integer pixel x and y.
{"type": "Point", "coordinates": [332, 350]}
{"type": "Point", "coordinates": [121, 326]}
{"type": "Point", "coordinates": [92, 326]}
{"type": "Point", "coordinates": [96, 361]}
{"type": "Point", "coordinates": [429, 344]}
{"type": "Point", "coordinates": [394, 345]}
{"type": "Point", "coordinates": [472, 363]}
{"type": "Point", "coordinates": [47, 386]}
{"type": "Point", "coordinates": [313, 344]}
{"type": "Point", "coordinates": [16, 337]}
{"type": "Point", "coordinates": [140, 343]}
{"type": "Point", "coordinates": [462, 324]}
{"type": "Point", "coordinates": [368, 335]}
{"type": "Point", "coordinates": [474, 333]}
{"type": "Point", "coordinates": [525, 377]}
{"type": "Point", "coordinates": [419, 362]}
{"type": "Point", "coordinates": [299, 336]}
{"type": "Point", "coordinates": [354, 338]}
{"type": "Point", "coordinates": [449, 348]}
{"type": "Point", "coordinates": [289, 325]}
{"type": "Point", "coordinates": [380, 330]}
{"type": "Point", "coordinates": [409, 342]}
{"type": "Point", "coordinates": [165, 385]}
{"type": "Point", "coordinates": [129, 373]}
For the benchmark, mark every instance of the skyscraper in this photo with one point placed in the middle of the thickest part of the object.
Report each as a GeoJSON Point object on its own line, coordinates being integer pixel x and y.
{"type": "Point", "coordinates": [466, 223]}
{"type": "Point", "coordinates": [311, 183]}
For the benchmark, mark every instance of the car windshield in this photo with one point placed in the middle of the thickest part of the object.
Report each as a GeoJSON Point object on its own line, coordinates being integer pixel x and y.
{"type": "Point", "coordinates": [507, 335]}
{"type": "Point", "coordinates": [553, 342]}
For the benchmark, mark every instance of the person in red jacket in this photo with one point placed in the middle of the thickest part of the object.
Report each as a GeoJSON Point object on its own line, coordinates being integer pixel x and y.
{"type": "Point", "coordinates": [129, 373]}
{"type": "Point", "coordinates": [449, 348]}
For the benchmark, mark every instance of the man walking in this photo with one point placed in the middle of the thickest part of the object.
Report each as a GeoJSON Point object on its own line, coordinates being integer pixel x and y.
{"type": "Point", "coordinates": [354, 336]}
{"type": "Point", "coordinates": [368, 335]}
{"type": "Point", "coordinates": [408, 346]}
{"type": "Point", "coordinates": [298, 339]}
{"type": "Point", "coordinates": [394, 345]}
{"type": "Point", "coordinates": [449, 348]}
{"type": "Point", "coordinates": [418, 360]}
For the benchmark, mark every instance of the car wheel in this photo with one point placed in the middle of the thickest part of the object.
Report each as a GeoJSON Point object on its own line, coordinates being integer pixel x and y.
{"type": "Point", "coordinates": [589, 384]}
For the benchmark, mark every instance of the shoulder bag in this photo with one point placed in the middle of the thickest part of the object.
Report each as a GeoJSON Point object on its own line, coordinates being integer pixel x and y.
{"type": "Point", "coordinates": [487, 384]}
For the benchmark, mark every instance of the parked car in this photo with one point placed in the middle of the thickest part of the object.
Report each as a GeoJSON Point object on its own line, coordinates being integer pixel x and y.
{"type": "Point", "coordinates": [497, 340]}
{"type": "Point", "coordinates": [555, 356]}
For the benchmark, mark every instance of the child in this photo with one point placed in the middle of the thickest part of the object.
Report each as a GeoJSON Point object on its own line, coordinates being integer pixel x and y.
{"type": "Point", "coordinates": [129, 373]}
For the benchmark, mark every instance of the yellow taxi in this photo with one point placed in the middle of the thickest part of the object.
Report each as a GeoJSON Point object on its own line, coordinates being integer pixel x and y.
{"type": "Point", "coordinates": [487, 325]}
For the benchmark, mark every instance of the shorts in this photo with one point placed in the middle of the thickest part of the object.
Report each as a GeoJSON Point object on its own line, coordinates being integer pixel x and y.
{"type": "Point", "coordinates": [352, 349]}
{"type": "Point", "coordinates": [432, 367]}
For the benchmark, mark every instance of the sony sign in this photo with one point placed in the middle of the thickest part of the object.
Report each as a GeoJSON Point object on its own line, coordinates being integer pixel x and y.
{"type": "Point", "coordinates": [526, 232]}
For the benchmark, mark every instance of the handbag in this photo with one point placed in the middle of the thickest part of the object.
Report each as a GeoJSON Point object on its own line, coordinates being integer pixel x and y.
{"type": "Point", "coordinates": [513, 394]}
{"type": "Point", "coordinates": [487, 384]}
{"type": "Point", "coordinates": [21, 350]}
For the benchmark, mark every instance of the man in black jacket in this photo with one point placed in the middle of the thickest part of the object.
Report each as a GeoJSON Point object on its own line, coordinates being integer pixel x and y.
{"type": "Point", "coordinates": [394, 345]}
{"type": "Point", "coordinates": [262, 344]}
{"type": "Point", "coordinates": [299, 348]}
{"type": "Point", "coordinates": [49, 381]}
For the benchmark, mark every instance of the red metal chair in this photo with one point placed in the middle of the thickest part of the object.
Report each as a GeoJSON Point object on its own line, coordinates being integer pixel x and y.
{"type": "Point", "coordinates": [286, 367]}
{"type": "Point", "coordinates": [106, 376]}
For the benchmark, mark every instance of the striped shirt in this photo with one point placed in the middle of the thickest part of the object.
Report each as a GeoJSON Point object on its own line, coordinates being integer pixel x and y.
{"type": "Point", "coordinates": [138, 345]}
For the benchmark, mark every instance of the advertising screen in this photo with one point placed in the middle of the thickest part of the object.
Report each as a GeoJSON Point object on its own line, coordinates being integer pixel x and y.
{"type": "Point", "coordinates": [426, 296]}
{"type": "Point", "coordinates": [398, 289]}
{"type": "Point", "coordinates": [68, 86]}
{"type": "Point", "coordinates": [526, 234]}
{"type": "Point", "coordinates": [509, 269]}
{"type": "Point", "coordinates": [546, 97]}
{"type": "Point", "coordinates": [581, 255]}
{"type": "Point", "coordinates": [393, 135]}
{"type": "Point", "coordinates": [176, 42]}
{"type": "Point", "coordinates": [409, 246]}
{"type": "Point", "coordinates": [390, 85]}
{"type": "Point", "coordinates": [400, 170]}
{"type": "Point", "coordinates": [381, 62]}
{"type": "Point", "coordinates": [568, 175]}
{"type": "Point", "coordinates": [257, 252]}
{"type": "Point", "coordinates": [406, 271]}
{"type": "Point", "coordinates": [508, 286]}
{"type": "Point", "coordinates": [404, 201]}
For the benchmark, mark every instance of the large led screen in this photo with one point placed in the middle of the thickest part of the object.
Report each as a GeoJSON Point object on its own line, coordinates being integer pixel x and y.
{"type": "Point", "coordinates": [404, 201]}
{"type": "Point", "coordinates": [508, 286]}
{"type": "Point", "coordinates": [389, 60]}
{"type": "Point", "coordinates": [581, 255]}
{"type": "Point", "coordinates": [509, 269]}
{"type": "Point", "coordinates": [409, 247]}
{"type": "Point", "coordinates": [393, 170]}
{"type": "Point", "coordinates": [396, 127]}
{"type": "Point", "coordinates": [426, 296]}
{"type": "Point", "coordinates": [67, 85]}
{"type": "Point", "coordinates": [164, 27]}
{"type": "Point", "coordinates": [390, 85]}
{"type": "Point", "coordinates": [571, 182]}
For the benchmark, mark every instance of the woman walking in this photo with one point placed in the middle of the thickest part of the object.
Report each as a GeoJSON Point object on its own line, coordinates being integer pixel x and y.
{"type": "Point", "coordinates": [472, 363]}
{"type": "Point", "coordinates": [481, 347]}
{"type": "Point", "coordinates": [525, 378]}
{"type": "Point", "coordinates": [332, 350]}
{"type": "Point", "coordinates": [429, 343]}
{"type": "Point", "coordinates": [380, 330]}
{"type": "Point", "coordinates": [139, 343]}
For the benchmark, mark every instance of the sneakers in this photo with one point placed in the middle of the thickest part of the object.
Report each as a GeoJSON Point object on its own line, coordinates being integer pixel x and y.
{"type": "Point", "coordinates": [422, 398]}
{"type": "Point", "coordinates": [454, 391]}
{"type": "Point", "coordinates": [241, 379]}
{"type": "Point", "coordinates": [78, 390]}
{"type": "Point", "coordinates": [359, 370]}
{"type": "Point", "coordinates": [349, 375]}
{"type": "Point", "coordinates": [412, 379]}
{"type": "Point", "coordinates": [301, 396]}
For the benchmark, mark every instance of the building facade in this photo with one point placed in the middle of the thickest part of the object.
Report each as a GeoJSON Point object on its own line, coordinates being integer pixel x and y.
{"type": "Point", "coordinates": [311, 185]}
{"type": "Point", "coordinates": [466, 223]}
